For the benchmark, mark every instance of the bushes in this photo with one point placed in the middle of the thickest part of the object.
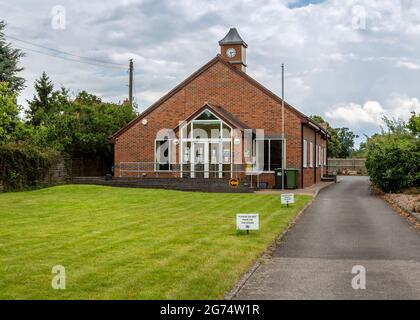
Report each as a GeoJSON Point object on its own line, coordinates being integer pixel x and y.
{"type": "Point", "coordinates": [393, 161]}
{"type": "Point", "coordinates": [22, 165]}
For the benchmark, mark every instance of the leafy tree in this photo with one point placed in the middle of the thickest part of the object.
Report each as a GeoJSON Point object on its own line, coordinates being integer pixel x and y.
{"type": "Point", "coordinates": [318, 119]}
{"type": "Point", "coordinates": [362, 151]}
{"type": "Point", "coordinates": [341, 141]}
{"type": "Point", "coordinates": [9, 114]}
{"type": "Point", "coordinates": [345, 139]}
{"type": "Point", "coordinates": [80, 127]}
{"type": "Point", "coordinates": [414, 124]}
{"type": "Point", "coordinates": [9, 59]}
{"type": "Point", "coordinates": [394, 126]}
{"type": "Point", "coordinates": [41, 104]}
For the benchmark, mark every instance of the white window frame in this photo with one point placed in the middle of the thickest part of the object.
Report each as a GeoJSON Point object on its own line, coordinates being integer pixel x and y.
{"type": "Point", "coordinates": [311, 154]}
{"type": "Point", "coordinates": [305, 153]}
{"type": "Point", "coordinates": [169, 155]}
{"type": "Point", "coordinates": [320, 155]}
{"type": "Point", "coordinates": [219, 140]}
{"type": "Point", "coordinates": [325, 156]}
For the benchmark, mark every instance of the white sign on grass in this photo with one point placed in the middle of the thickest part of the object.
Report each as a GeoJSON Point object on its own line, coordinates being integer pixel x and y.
{"type": "Point", "coordinates": [248, 221]}
{"type": "Point", "coordinates": [287, 198]}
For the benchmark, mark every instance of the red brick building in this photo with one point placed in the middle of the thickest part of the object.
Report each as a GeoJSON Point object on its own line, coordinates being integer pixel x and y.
{"type": "Point", "coordinates": [221, 123]}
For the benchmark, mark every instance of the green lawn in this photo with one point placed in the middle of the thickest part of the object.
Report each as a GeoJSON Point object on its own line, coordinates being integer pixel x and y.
{"type": "Point", "coordinates": [122, 243]}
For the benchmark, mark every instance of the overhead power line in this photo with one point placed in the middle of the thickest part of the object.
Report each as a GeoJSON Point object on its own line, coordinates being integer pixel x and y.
{"type": "Point", "coordinates": [65, 53]}
{"type": "Point", "coordinates": [68, 59]}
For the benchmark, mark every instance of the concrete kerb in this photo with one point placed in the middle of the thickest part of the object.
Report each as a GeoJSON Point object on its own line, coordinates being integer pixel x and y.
{"type": "Point", "coordinates": [267, 254]}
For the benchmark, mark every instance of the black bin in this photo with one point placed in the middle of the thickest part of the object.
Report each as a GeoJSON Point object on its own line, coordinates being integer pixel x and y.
{"type": "Point", "coordinates": [278, 178]}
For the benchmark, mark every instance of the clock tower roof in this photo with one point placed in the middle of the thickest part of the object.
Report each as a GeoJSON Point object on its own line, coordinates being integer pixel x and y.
{"type": "Point", "coordinates": [233, 37]}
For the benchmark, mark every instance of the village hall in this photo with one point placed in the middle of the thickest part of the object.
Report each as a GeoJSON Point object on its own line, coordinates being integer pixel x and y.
{"type": "Point", "coordinates": [220, 123]}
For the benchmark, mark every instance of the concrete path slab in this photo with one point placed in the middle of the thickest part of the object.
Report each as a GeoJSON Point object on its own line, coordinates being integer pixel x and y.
{"type": "Point", "coordinates": [345, 226]}
{"type": "Point", "coordinates": [312, 190]}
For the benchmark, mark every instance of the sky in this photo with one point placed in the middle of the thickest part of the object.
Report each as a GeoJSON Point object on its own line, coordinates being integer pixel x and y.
{"type": "Point", "coordinates": [350, 61]}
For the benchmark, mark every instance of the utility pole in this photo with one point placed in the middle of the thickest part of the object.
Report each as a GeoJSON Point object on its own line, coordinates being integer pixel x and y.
{"type": "Point", "coordinates": [283, 142]}
{"type": "Point", "coordinates": [130, 83]}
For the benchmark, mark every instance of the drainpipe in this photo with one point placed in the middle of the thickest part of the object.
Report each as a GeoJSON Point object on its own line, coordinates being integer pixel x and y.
{"type": "Point", "coordinates": [301, 155]}
{"type": "Point", "coordinates": [283, 144]}
{"type": "Point", "coordinates": [314, 152]}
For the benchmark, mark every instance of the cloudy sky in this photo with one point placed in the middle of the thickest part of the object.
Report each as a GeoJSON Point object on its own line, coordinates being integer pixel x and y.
{"type": "Point", "coordinates": [350, 61]}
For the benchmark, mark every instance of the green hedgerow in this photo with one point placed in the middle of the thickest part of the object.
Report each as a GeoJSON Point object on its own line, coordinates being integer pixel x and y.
{"type": "Point", "coordinates": [22, 165]}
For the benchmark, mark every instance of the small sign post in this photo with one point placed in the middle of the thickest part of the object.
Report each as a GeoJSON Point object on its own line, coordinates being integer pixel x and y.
{"type": "Point", "coordinates": [247, 221]}
{"type": "Point", "coordinates": [287, 198]}
{"type": "Point", "coordinates": [234, 183]}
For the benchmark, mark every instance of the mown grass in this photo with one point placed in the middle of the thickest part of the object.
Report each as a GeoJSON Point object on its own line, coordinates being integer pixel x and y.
{"type": "Point", "coordinates": [121, 243]}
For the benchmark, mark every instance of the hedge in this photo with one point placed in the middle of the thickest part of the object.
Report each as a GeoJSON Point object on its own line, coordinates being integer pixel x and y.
{"type": "Point", "coordinates": [22, 166]}
{"type": "Point", "coordinates": [393, 162]}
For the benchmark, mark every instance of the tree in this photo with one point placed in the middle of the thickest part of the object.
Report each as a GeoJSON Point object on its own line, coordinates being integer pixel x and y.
{"type": "Point", "coordinates": [9, 59]}
{"type": "Point", "coordinates": [9, 114]}
{"type": "Point", "coordinates": [341, 141]}
{"type": "Point", "coordinates": [414, 124]}
{"type": "Point", "coordinates": [345, 142]}
{"type": "Point", "coordinates": [80, 127]}
{"type": "Point", "coordinates": [319, 119]}
{"type": "Point", "coordinates": [41, 104]}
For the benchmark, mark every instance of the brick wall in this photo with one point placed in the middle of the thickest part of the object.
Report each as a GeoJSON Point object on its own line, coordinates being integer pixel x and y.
{"type": "Point", "coordinates": [218, 85]}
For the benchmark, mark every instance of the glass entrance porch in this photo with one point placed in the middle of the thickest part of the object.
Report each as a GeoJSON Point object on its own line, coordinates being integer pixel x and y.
{"type": "Point", "coordinates": [206, 147]}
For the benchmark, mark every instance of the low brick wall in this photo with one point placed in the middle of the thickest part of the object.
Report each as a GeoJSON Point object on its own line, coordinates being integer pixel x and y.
{"type": "Point", "coordinates": [196, 184]}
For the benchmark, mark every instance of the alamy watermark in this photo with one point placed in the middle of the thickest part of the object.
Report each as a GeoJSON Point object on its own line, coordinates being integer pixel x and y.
{"type": "Point", "coordinates": [58, 281]}
{"type": "Point", "coordinates": [58, 17]}
{"type": "Point", "coordinates": [359, 280]}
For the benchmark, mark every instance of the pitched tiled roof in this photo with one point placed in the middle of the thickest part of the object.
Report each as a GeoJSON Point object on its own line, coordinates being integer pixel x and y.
{"type": "Point", "coordinates": [209, 64]}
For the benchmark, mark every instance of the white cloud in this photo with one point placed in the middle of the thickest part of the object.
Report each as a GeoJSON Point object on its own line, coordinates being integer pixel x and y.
{"type": "Point", "coordinates": [352, 113]}
{"type": "Point", "coordinates": [408, 65]}
{"type": "Point", "coordinates": [372, 112]}
{"type": "Point", "coordinates": [327, 60]}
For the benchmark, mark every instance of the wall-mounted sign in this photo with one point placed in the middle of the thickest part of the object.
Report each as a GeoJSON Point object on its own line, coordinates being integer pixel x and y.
{"type": "Point", "coordinates": [247, 221]}
{"type": "Point", "coordinates": [234, 182]}
{"type": "Point", "coordinates": [287, 198]}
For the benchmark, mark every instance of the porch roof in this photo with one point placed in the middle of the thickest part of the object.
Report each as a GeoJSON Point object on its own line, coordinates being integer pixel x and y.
{"type": "Point", "coordinates": [221, 113]}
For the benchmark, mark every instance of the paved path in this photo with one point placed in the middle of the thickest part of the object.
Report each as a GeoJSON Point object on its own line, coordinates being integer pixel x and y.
{"type": "Point", "coordinates": [312, 190]}
{"type": "Point", "coordinates": [345, 226]}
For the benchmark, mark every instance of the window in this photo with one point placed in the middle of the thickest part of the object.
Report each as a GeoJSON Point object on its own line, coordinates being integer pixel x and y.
{"type": "Point", "coordinates": [316, 155]}
{"type": "Point", "coordinates": [305, 154]}
{"type": "Point", "coordinates": [206, 115]}
{"type": "Point", "coordinates": [325, 156]}
{"type": "Point", "coordinates": [162, 155]}
{"type": "Point", "coordinates": [205, 126]}
{"type": "Point", "coordinates": [272, 154]}
{"type": "Point", "coordinates": [320, 155]}
{"type": "Point", "coordinates": [311, 154]}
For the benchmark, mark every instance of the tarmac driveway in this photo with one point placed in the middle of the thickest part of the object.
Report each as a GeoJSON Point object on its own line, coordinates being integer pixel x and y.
{"type": "Point", "coordinates": [344, 227]}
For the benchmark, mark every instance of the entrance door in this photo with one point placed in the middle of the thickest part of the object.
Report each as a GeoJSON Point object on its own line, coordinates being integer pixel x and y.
{"type": "Point", "coordinates": [215, 160]}
{"type": "Point", "coordinates": [200, 160]}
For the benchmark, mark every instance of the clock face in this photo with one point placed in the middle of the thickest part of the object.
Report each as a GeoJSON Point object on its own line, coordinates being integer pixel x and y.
{"type": "Point", "coordinates": [231, 52]}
